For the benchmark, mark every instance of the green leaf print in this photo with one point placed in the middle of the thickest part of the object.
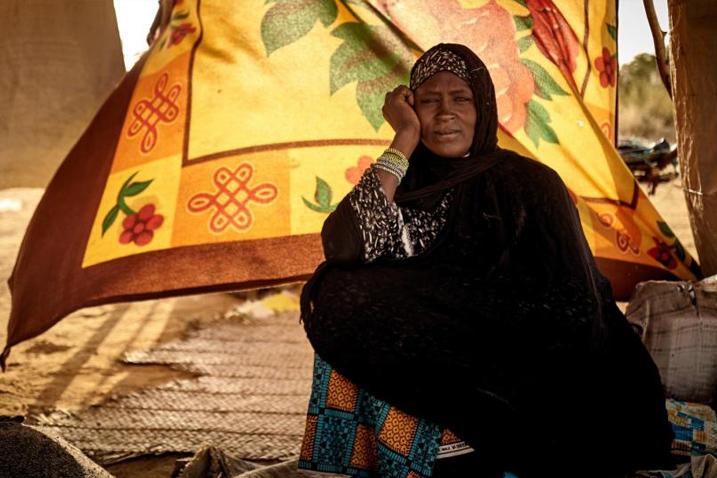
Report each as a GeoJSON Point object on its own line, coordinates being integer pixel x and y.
{"type": "Point", "coordinates": [665, 229]}
{"type": "Point", "coordinates": [546, 85]}
{"type": "Point", "coordinates": [537, 126]}
{"type": "Point", "coordinates": [110, 219]}
{"type": "Point", "coordinates": [322, 196]}
{"type": "Point", "coordinates": [612, 30]}
{"type": "Point", "coordinates": [135, 188]}
{"type": "Point", "coordinates": [523, 22]}
{"type": "Point", "coordinates": [525, 43]}
{"type": "Point", "coordinates": [289, 20]}
{"type": "Point", "coordinates": [375, 58]}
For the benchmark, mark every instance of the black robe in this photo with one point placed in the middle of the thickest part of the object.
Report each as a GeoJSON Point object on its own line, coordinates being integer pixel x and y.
{"type": "Point", "coordinates": [503, 331]}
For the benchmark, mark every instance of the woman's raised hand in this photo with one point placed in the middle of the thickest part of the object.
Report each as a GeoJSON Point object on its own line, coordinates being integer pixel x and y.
{"type": "Point", "coordinates": [398, 111]}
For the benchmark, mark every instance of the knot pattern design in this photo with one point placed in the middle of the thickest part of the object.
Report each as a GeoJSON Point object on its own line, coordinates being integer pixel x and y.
{"type": "Point", "coordinates": [148, 113]}
{"type": "Point", "coordinates": [231, 198]}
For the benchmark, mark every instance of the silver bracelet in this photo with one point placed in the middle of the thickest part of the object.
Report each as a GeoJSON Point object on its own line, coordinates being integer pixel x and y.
{"type": "Point", "coordinates": [390, 168]}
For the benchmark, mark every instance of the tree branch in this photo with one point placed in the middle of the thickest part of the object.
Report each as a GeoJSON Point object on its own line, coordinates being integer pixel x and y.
{"type": "Point", "coordinates": [658, 37]}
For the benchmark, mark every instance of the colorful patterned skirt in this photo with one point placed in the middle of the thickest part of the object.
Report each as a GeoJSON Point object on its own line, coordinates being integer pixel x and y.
{"type": "Point", "coordinates": [350, 432]}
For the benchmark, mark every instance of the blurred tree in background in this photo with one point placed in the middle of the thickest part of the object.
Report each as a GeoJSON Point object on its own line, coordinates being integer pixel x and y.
{"type": "Point", "coordinates": [645, 110]}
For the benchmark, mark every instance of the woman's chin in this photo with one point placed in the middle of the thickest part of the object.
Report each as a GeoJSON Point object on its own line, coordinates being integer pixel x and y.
{"type": "Point", "coordinates": [447, 150]}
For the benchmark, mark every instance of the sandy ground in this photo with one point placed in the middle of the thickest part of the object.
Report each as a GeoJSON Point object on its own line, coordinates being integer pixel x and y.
{"type": "Point", "coordinates": [75, 364]}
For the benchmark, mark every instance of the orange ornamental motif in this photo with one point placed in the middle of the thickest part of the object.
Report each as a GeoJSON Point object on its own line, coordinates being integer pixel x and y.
{"type": "Point", "coordinates": [148, 113]}
{"type": "Point", "coordinates": [489, 31]}
{"type": "Point", "coordinates": [307, 446]}
{"type": "Point", "coordinates": [627, 233]}
{"type": "Point", "coordinates": [342, 393]}
{"type": "Point", "coordinates": [354, 173]}
{"type": "Point", "coordinates": [364, 453]}
{"type": "Point", "coordinates": [398, 431]}
{"type": "Point", "coordinates": [230, 200]}
{"type": "Point", "coordinates": [619, 220]}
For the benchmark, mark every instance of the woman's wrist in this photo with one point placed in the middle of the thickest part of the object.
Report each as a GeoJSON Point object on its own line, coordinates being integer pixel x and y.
{"type": "Point", "coordinates": [391, 163]}
{"type": "Point", "coordinates": [406, 140]}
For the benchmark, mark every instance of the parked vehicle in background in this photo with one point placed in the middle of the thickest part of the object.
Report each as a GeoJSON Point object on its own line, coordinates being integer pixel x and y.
{"type": "Point", "coordinates": [648, 163]}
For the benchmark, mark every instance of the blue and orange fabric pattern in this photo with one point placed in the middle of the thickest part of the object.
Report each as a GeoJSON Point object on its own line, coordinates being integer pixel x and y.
{"type": "Point", "coordinates": [695, 427]}
{"type": "Point", "coordinates": [348, 431]}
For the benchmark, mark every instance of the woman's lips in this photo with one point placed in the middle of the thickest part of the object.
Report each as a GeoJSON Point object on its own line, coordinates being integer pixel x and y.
{"type": "Point", "coordinates": [447, 135]}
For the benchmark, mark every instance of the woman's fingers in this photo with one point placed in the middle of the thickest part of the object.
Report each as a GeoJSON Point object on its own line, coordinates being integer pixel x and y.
{"type": "Point", "coordinates": [398, 109]}
{"type": "Point", "coordinates": [400, 93]}
{"type": "Point", "coordinates": [409, 96]}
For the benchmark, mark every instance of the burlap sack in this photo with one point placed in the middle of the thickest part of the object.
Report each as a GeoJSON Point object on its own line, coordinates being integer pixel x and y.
{"type": "Point", "coordinates": [31, 452]}
{"type": "Point", "coordinates": [679, 327]}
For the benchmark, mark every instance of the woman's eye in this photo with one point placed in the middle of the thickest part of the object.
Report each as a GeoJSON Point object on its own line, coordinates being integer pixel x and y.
{"type": "Point", "coordinates": [463, 99]}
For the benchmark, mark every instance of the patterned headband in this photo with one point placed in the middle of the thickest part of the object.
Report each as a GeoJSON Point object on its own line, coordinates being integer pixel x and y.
{"type": "Point", "coordinates": [438, 60]}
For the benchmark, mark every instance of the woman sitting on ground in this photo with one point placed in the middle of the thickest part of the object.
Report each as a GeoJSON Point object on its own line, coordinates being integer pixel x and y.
{"type": "Point", "coordinates": [460, 324]}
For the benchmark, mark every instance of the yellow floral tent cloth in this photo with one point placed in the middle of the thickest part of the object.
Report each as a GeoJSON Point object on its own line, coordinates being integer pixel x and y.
{"type": "Point", "coordinates": [215, 162]}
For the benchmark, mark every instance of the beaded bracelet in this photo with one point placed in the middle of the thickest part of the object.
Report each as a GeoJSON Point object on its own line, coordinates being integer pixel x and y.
{"type": "Point", "coordinates": [396, 152]}
{"type": "Point", "coordinates": [389, 168]}
{"type": "Point", "coordinates": [393, 161]}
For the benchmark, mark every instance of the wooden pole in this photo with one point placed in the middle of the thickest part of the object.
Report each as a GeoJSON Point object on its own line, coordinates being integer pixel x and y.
{"type": "Point", "coordinates": [693, 43]}
{"type": "Point", "coordinates": [658, 38]}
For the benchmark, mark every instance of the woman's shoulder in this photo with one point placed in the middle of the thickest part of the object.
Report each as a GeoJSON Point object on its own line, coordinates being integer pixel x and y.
{"type": "Point", "coordinates": [521, 178]}
{"type": "Point", "coordinates": [522, 169]}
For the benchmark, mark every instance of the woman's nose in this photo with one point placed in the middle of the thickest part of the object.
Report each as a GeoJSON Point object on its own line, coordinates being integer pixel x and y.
{"type": "Point", "coordinates": [445, 108]}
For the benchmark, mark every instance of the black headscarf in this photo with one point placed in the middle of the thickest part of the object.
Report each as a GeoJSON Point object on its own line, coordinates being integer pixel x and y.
{"type": "Point", "coordinates": [429, 176]}
{"type": "Point", "coordinates": [503, 330]}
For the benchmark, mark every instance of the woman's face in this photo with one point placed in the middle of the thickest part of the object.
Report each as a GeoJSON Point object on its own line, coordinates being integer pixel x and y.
{"type": "Point", "coordinates": [446, 109]}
